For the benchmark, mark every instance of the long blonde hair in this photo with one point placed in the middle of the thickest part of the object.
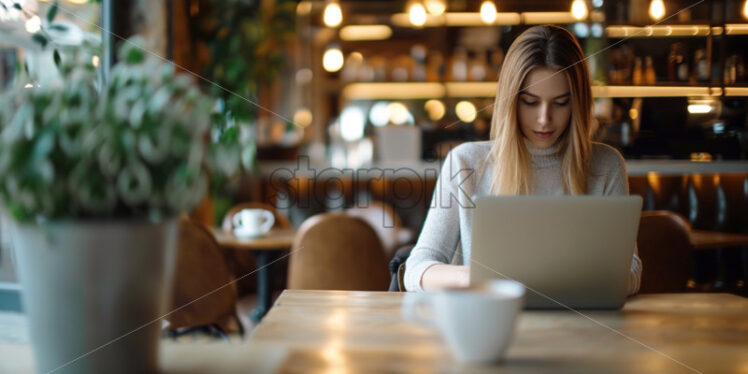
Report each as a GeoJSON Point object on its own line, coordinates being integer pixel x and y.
{"type": "Point", "coordinates": [554, 48]}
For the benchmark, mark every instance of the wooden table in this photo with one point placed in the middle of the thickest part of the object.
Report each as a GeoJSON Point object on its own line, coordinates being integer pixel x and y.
{"type": "Point", "coordinates": [266, 249]}
{"type": "Point", "coordinates": [365, 332]}
{"type": "Point", "coordinates": [701, 239]}
{"type": "Point", "coordinates": [176, 358]}
{"type": "Point", "coordinates": [353, 332]}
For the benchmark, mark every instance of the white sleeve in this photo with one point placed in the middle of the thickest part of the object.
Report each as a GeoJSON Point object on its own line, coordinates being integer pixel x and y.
{"type": "Point", "coordinates": [617, 184]}
{"type": "Point", "coordinates": [440, 235]}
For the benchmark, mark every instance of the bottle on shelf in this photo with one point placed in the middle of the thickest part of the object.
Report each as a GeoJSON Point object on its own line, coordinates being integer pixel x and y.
{"type": "Point", "coordinates": [700, 65]}
{"type": "Point", "coordinates": [638, 73]}
{"type": "Point", "coordinates": [730, 75]}
{"type": "Point", "coordinates": [677, 64]}
{"type": "Point", "coordinates": [459, 66]}
{"type": "Point", "coordinates": [400, 68]}
{"type": "Point", "coordinates": [495, 60]}
{"type": "Point", "coordinates": [418, 54]}
{"type": "Point", "coordinates": [435, 67]}
{"type": "Point", "coordinates": [650, 77]}
{"type": "Point", "coordinates": [672, 62]}
{"type": "Point", "coordinates": [477, 67]}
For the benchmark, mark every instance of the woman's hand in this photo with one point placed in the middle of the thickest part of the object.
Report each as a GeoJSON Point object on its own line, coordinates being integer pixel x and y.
{"type": "Point", "coordinates": [441, 276]}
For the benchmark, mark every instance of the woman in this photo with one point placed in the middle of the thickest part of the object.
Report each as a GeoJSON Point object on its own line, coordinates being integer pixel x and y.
{"type": "Point", "coordinates": [540, 145]}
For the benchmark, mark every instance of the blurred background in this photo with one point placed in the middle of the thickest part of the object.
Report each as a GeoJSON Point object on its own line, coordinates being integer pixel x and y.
{"type": "Point", "coordinates": [352, 82]}
{"type": "Point", "coordinates": [397, 84]}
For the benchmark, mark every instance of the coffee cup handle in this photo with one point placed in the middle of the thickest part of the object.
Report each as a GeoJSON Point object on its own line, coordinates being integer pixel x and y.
{"type": "Point", "coordinates": [413, 304]}
{"type": "Point", "coordinates": [269, 221]}
{"type": "Point", "coordinates": [236, 220]}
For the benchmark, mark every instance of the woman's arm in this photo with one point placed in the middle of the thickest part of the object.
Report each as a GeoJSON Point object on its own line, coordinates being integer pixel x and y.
{"type": "Point", "coordinates": [618, 184]}
{"type": "Point", "coordinates": [426, 267]}
{"type": "Point", "coordinates": [441, 276]}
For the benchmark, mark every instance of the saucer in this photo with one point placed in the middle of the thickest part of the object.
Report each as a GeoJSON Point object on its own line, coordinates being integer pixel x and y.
{"type": "Point", "coordinates": [248, 235]}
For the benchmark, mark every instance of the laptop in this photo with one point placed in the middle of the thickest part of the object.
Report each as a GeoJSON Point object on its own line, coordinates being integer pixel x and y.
{"type": "Point", "coordinates": [570, 251]}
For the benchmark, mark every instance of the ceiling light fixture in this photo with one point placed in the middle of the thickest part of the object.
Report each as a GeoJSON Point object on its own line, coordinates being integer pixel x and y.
{"type": "Point", "coordinates": [657, 9]}
{"type": "Point", "coordinates": [417, 15]}
{"type": "Point", "coordinates": [488, 12]}
{"type": "Point", "coordinates": [436, 7]}
{"type": "Point", "coordinates": [579, 10]}
{"type": "Point", "coordinates": [333, 15]}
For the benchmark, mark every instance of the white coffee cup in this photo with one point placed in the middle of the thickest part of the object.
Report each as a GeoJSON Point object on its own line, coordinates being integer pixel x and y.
{"type": "Point", "coordinates": [250, 223]}
{"type": "Point", "coordinates": [477, 322]}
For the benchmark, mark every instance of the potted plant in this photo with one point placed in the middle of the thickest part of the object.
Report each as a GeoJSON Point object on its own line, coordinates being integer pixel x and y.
{"type": "Point", "coordinates": [93, 177]}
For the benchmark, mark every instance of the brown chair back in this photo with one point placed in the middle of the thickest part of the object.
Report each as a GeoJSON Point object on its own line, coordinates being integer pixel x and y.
{"type": "Point", "coordinates": [665, 251]}
{"type": "Point", "coordinates": [281, 221]}
{"type": "Point", "coordinates": [204, 292]}
{"type": "Point", "coordinates": [334, 251]}
{"type": "Point", "coordinates": [386, 223]}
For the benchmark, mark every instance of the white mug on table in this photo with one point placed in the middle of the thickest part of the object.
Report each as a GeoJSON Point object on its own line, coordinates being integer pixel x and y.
{"type": "Point", "coordinates": [477, 322]}
{"type": "Point", "coordinates": [250, 223]}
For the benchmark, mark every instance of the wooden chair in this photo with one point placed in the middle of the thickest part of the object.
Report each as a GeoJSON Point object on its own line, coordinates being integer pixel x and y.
{"type": "Point", "coordinates": [204, 291]}
{"type": "Point", "coordinates": [386, 223]}
{"type": "Point", "coordinates": [665, 251]}
{"type": "Point", "coordinates": [335, 251]}
{"type": "Point", "coordinates": [241, 262]}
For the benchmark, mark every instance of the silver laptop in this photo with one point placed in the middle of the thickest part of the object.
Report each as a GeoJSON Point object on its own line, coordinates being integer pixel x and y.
{"type": "Point", "coordinates": [570, 251]}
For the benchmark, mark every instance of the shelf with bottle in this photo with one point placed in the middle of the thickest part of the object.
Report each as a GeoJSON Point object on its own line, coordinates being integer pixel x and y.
{"type": "Point", "coordinates": [433, 90]}
{"type": "Point", "coordinates": [679, 67]}
{"type": "Point", "coordinates": [473, 74]}
{"type": "Point", "coordinates": [674, 31]}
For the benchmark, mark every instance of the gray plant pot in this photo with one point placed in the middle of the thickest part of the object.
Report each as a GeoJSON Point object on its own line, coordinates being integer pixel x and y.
{"type": "Point", "coordinates": [94, 292]}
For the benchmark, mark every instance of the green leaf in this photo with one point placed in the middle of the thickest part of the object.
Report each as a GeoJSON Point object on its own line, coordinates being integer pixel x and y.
{"type": "Point", "coordinates": [52, 12]}
{"type": "Point", "coordinates": [56, 56]}
{"type": "Point", "coordinates": [59, 27]}
{"type": "Point", "coordinates": [41, 39]}
{"type": "Point", "coordinates": [135, 56]}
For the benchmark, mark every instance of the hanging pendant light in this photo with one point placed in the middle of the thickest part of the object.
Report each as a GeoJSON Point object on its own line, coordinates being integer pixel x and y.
{"type": "Point", "coordinates": [333, 15]}
{"type": "Point", "coordinates": [332, 59]}
{"type": "Point", "coordinates": [417, 14]}
{"type": "Point", "coordinates": [579, 10]}
{"type": "Point", "coordinates": [488, 12]}
{"type": "Point", "coordinates": [436, 7]}
{"type": "Point", "coordinates": [657, 9]}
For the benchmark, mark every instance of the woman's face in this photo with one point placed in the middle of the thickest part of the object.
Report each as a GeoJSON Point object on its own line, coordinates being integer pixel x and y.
{"type": "Point", "coordinates": [544, 106]}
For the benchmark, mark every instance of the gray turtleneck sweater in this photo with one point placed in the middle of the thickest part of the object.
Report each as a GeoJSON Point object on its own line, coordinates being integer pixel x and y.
{"type": "Point", "coordinates": [467, 171]}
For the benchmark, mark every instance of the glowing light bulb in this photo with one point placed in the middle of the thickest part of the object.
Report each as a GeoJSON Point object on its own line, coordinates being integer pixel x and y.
{"type": "Point", "coordinates": [745, 9]}
{"type": "Point", "coordinates": [303, 117]}
{"type": "Point", "coordinates": [379, 115]}
{"type": "Point", "coordinates": [488, 12]}
{"type": "Point", "coordinates": [657, 9]}
{"type": "Point", "coordinates": [436, 7]}
{"type": "Point", "coordinates": [398, 113]}
{"type": "Point", "coordinates": [435, 109]}
{"type": "Point", "coordinates": [332, 60]}
{"type": "Point", "coordinates": [466, 111]}
{"type": "Point", "coordinates": [417, 15]}
{"type": "Point", "coordinates": [579, 10]}
{"type": "Point", "coordinates": [333, 15]}
{"type": "Point", "coordinates": [352, 123]}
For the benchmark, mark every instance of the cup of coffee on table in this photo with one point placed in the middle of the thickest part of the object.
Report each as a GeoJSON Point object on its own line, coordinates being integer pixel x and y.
{"type": "Point", "coordinates": [250, 223]}
{"type": "Point", "coordinates": [477, 322]}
